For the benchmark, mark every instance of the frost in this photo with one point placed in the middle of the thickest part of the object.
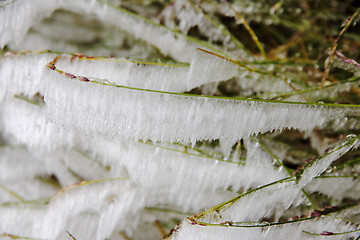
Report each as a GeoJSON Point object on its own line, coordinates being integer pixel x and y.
{"type": "Point", "coordinates": [350, 187]}
{"type": "Point", "coordinates": [23, 74]}
{"type": "Point", "coordinates": [107, 136]}
{"type": "Point", "coordinates": [204, 68]}
{"type": "Point", "coordinates": [190, 16]}
{"type": "Point", "coordinates": [296, 230]}
{"type": "Point", "coordinates": [104, 200]}
{"type": "Point", "coordinates": [319, 165]}
{"type": "Point", "coordinates": [172, 117]}
{"type": "Point", "coordinates": [330, 91]}
{"type": "Point", "coordinates": [170, 43]}
{"type": "Point", "coordinates": [347, 64]}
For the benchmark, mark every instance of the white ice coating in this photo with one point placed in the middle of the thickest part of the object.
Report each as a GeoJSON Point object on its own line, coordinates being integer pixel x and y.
{"type": "Point", "coordinates": [23, 74]}
{"type": "Point", "coordinates": [147, 166]}
{"type": "Point", "coordinates": [259, 162]}
{"type": "Point", "coordinates": [158, 116]}
{"type": "Point", "coordinates": [110, 202]}
{"type": "Point", "coordinates": [26, 73]}
{"type": "Point", "coordinates": [327, 92]}
{"type": "Point", "coordinates": [33, 41]}
{"type": "Point", "coordinates": [156, 165]}
{"type": "Point", "coordinates": [86, 131]}
{"type": "Point", "coordinates": [19, 16]}
{"type": "Point", "coordinates": [189, 17]}
{"type": "Point", "coordinates": [25, 123]}
{"type": "Point", "coordinates": [288, 231]}
{"type": "Point", "coordinates": [347, 64]}
{"type": "Point", "coordinates": [350, 187]}
{"type": "Point", "coordinates": [259, 204]}
{"type": "Point", "coordinates": [204, 68]}
{"type": "Point", "coordinates": [320, 164]}
{"type": "Point", "coordinates": [260, 83]}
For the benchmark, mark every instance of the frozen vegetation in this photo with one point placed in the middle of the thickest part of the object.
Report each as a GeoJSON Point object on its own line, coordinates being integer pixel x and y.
{"type": "Point", "coordinates": [179, 119]}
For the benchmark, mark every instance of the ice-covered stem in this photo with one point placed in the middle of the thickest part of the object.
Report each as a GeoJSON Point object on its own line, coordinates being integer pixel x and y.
{"type": "Point", "coordinates": [160, 228]}
{"type": "Point", "coordinates": [330, 211]}
{"type": "Point", "coordinates": [288, 171]}
{"type": "Point", "coordinates": [12, 193]}
{"type": "Point", "coordinates": [250, 69]}
{"type": "Point", "coordinates": [278, 161]}
{"type": "Point", "coordinates": [346, 63]}
{"type": "Point", "coordinates": [72, 237]}
{"type": "Point", "coordinates": [218, 25]}
{"type": "Point", "coordinates": [83, 183]}
{"type": "Point", "coordinates": [26, 99]}
{"type": "Point", "coordinates": [243, 21]}
{"type": "Point", "coordinates": [316, 93]}
{"type": "Point", "coordinates": [229, 118]}
{"type": "Point", "coordinates": [314, 168]}
{"type": "Point", "coordinates": [168, 41]}
{"type": "Point", "coordinates": [326, 233]}
{"type": "Point", "coordinates": [228, 203]}
{"type": "Point", "coordinates": [346, 164]}
{"type": "Point", "coordinates": [196, 155]}
{"type": "Point", "coordinates": [12, 236]}
{"type": "Point", "coordinates": [331, 56]}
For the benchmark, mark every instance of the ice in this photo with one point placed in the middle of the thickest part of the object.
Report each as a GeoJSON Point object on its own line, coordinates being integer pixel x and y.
{"type": "Point", "coordinates": [330, 91]}
{"type": "Point", "coordinates": [259, 164]}
{"type": "Point", "coordinates": [340, 61]}
{"type": "Point", "coordinates": [158, 116]}
{"type": "Point", "coordinates": [319, 165]}
{"type": "Point", "coordinates": [18, 16]}
{"type": "Point", "coordinates": [257, 205]}
{"type": "Point", "coordinates": [22, 122]}
{"type": "Point", "coordinates": [26, 73]}
{"type": "Point", "coordinates": [167, 41]}
{"type": "Point", "coordinates": [204, 68]}
{"type": "Point", "coordinates": [190, 16]}
{"type": "Point", "coordinates": [91, 144]}
{"type": "Point", "coordinates": [350, 187]}
{"type": "Point", "coordinates": [188, 230]}
{"type": "Point", "coordinates": [150, 75]}
{"type": "Point", "coordinates": [12, 157]}
{"type": "Point", "coordinates": [23, 74]}
{"type": "Point", "coordinates": [149, 167]}
{"type": "Point", "coordinates": [110, 201]}
{"type": "Point", "coordinates": [28, 189]}
{"type": "Point", "coordinates": [33, 41]}
{"type": "Point", "coordinates": [260, 83]}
